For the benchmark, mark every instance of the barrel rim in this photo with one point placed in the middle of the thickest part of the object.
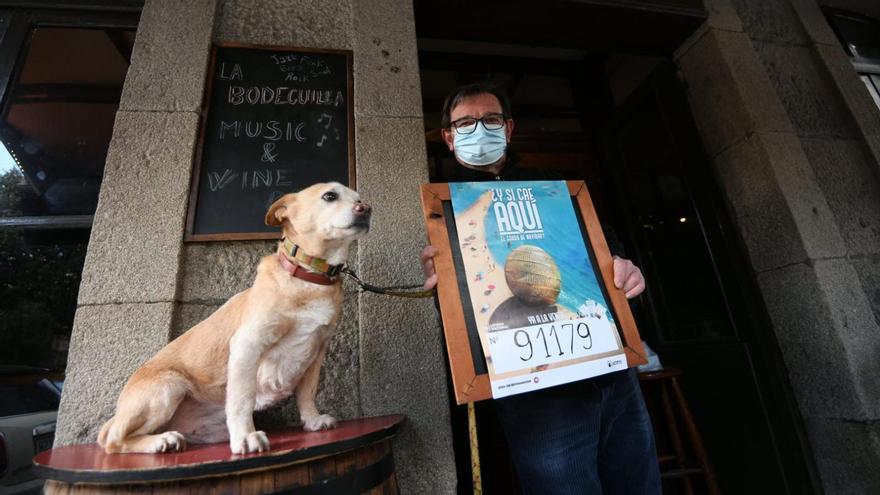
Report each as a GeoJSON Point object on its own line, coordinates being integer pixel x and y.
{"type": "Point", "coordinates": [253, 462]}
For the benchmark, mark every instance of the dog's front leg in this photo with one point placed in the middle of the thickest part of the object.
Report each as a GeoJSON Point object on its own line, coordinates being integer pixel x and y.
{"type": "Point", "coordinates": [245, 350]}
{"type": "Point", "coordinates": [305, 395]}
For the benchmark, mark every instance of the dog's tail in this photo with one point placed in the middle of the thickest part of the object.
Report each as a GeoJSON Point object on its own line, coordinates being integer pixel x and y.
{"type": "Point", "coordinates": [115, 431]}
{"type": "Point", "coordinates": [102, 435]}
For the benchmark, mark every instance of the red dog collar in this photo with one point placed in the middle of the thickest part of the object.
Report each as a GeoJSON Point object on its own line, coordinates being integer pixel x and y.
{"type": "Point", "coordinates": [296, 255]}
{"type": "Point", "coordinates": [298, 271]}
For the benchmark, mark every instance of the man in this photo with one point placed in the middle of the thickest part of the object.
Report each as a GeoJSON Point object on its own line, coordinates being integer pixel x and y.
{"type": "Point", "coordinates": [588, 437]}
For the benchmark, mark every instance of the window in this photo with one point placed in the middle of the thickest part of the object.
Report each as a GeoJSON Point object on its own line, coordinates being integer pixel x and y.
{"type": "Point", "coordinates": [860, 37]}
{"type": "Point", "coordinates": [60, 90]}
{"type": "Point", "coordinates": [28, 397]}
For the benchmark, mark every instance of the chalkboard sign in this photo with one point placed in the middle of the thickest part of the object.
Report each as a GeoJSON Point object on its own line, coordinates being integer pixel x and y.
{"type": "Point", "coordinates": [275, 120]}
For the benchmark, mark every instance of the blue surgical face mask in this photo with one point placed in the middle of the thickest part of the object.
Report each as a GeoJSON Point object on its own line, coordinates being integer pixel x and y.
{"type": "Point", "coordinates": [481, 147]}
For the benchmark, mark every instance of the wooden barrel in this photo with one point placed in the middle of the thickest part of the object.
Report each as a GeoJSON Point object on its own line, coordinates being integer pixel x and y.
{"type": "Point", "coordinates": [353, 458]}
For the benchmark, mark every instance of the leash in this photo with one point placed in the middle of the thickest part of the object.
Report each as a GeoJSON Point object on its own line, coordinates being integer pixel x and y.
{"type": "Point", "coordinates": [396, 290]}
{"type": "Point", "coordinates": [320, 272]}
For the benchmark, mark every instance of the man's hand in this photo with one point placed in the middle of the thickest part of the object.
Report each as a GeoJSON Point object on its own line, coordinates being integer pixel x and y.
{"type": "Point", "coordinates": [427, 257]}
{"type": "Point", "coordinates": [627, 276]}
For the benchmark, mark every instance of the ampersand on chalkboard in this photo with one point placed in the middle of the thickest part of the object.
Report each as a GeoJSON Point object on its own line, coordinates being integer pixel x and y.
{"type": "Point", "coordinates": [268, 153]}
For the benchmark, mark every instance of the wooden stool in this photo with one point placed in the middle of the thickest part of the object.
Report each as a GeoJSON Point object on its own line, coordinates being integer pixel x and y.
{"type": "Point", "coordinates": [353, 458]}
{"type": "Point", "coordinates": [675, 410]}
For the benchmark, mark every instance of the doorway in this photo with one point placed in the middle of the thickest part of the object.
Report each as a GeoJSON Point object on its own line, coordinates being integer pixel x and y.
{"type": "Point", "coordinates": [621, 122]}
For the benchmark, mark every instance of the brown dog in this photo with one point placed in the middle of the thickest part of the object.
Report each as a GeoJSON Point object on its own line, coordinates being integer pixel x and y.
{"type": "Point", "coordinates": [257, 349]}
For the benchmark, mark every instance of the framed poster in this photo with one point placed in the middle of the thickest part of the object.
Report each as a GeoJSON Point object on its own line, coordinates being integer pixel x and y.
{"type": "Point", "coordinates": [274, 120]}
{"type": "Point", "coordinates": [525, 287]}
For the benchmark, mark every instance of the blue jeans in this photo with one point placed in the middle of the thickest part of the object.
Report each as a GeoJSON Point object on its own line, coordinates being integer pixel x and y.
{"type": "Point", "coordinates": [588, 437]}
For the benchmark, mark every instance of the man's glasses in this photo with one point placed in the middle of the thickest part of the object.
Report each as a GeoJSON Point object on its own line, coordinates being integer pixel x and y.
{"type": "Point", "coordinates": [467, 125]}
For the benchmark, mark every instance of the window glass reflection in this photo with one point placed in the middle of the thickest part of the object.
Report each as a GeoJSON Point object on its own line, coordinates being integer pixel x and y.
{"type": "Point", "coordinates": [58, 119]}
{"type": "Point", "coordinates": [55, 128]}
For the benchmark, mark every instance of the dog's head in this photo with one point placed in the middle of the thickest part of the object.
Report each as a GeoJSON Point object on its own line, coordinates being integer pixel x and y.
{"type": "Point", "coordinates": [329, 211]}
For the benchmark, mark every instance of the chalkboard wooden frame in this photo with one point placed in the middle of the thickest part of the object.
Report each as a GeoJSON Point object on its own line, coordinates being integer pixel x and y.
{"type": "Point", "coordinates": [192, 207]}
{"type": "Point", "coordinates": [470, 380]}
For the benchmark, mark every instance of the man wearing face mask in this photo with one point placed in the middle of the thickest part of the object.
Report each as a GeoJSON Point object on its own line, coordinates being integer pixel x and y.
{"type": "Point", "coordinates": [587, 437]}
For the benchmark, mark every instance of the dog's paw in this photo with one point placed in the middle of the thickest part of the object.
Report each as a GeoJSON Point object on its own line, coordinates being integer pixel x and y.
{"type": "Point", "coordinates": [170, 441]}
{"type": "Point", "coordinates": [255, 441]}
{"type": "Point", "coordinates": [320, 422]}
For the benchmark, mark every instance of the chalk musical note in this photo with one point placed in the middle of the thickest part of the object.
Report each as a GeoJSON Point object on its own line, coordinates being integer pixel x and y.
{"type": "Point", "coordinates": [329, 119]}
{"type": "Point", "coordinates": [268, 156]}
{"type": "Point", "coordinates": [323, 138]}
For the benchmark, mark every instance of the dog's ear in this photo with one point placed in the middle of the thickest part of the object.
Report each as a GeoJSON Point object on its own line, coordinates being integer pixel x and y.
{"type": "Point", "coordinates": [278, 211]}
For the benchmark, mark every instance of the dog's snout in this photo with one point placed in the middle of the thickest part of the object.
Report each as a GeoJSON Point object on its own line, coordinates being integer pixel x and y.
{"type": "Point", "coordinates": [362, 208]}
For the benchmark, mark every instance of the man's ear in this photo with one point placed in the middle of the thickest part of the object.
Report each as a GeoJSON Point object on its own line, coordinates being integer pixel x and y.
{"type": "Point", "coordinates": [279, 210]}
{"type": "Point", "coordinates": [448, 138]}
{"type": "Point", "coordinates": [508, 128]}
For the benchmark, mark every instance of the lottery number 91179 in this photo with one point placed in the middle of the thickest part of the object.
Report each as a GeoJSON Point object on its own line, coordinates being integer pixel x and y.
{"type": "Point", "coordinates": [522, 338]}
{"type": "Point", "coordinates": [514, 349]}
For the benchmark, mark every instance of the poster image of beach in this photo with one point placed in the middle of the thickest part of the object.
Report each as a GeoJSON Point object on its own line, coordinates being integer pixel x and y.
{"type": "Point", "coordinates": [537, 301]}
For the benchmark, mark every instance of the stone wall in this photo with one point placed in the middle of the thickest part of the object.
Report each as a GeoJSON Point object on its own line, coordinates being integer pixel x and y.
{"type": "Point", "coordinates": [143, 286]}
{"type": "Point", "coordinates": [791, 135]}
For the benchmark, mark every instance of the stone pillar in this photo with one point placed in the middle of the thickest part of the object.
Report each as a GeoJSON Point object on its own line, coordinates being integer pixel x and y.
{"type": "Point", "coordinates": [129, 284]}
{"type": "Point", "coordinates": [402, 366]}
{"type": "Point", "coordinates": [798, 175]}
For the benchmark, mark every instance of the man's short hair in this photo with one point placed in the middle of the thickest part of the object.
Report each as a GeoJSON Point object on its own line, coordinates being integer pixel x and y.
{"type": "Point", "coordinates": [468, 90]}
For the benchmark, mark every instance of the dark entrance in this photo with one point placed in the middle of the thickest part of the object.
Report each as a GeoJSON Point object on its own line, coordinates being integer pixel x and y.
{"type": "Point", "coordinates": [703, 312]}
{"type": "Point", "coordinates": [621, 122]}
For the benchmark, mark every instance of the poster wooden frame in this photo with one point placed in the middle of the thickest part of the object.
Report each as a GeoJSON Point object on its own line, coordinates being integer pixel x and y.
{"type": "Point", "coordinates": [470, 386]}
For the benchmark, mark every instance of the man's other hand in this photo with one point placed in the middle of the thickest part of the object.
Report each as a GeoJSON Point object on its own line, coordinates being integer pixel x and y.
{"type": "Point", "coordinates": [627, 276]}
{"type": "Point", "coordinates": [427, 257]}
